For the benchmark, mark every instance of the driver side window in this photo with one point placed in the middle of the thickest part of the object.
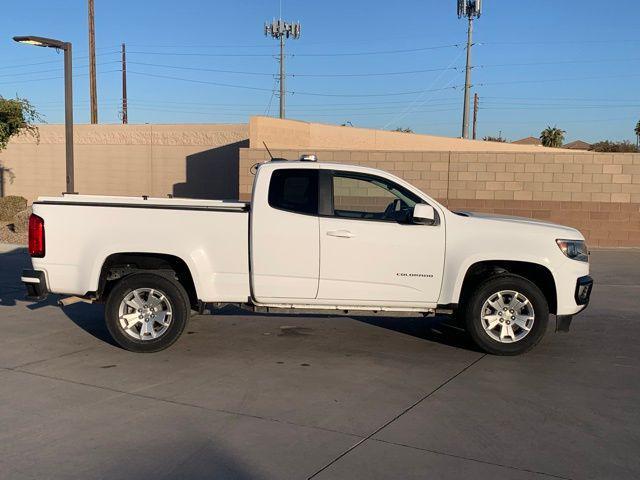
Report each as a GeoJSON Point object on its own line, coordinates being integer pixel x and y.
{"type": "Point", "coordinates": [370, 198]}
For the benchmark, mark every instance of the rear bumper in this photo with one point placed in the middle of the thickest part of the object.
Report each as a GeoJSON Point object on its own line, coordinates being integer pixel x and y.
{"type": "Point", "coordinates": [36, 284]}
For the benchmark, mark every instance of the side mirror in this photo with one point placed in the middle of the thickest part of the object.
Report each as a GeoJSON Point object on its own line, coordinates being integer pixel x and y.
{"type": "Point", "coordinates": [424, 214]}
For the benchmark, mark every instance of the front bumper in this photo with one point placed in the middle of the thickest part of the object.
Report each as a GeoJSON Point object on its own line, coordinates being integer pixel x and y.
{"type": "Point", "coordinates": [36, 284]}
{"type": "Point", "coordinates": [584, 285]}
{"type": "Point", "coordinates": [582, 295]}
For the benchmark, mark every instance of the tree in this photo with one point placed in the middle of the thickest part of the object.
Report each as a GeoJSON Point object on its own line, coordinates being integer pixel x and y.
{"type": "Point", "coordinates": [403, 130]}
{"type": "Point", "coordinates": [552, 137]}
{"type": "Point", "coordinates": [17, 116]}
{"type": "Point", "coordinates": [637, 130]}
{"type": "Point", "coordinates": [617, 147]}
{"type": "Point", "coordinates": [499, 139]}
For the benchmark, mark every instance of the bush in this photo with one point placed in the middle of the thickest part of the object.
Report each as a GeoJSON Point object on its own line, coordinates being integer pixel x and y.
{"type": "Point", "coordinates": [11, 205]}
{"type": "Point", "coordinates": [489, 138]}
{"type": "Point", "coordinates": [617, 147]}
{"type": "Point", "coordinates": [21, 221]}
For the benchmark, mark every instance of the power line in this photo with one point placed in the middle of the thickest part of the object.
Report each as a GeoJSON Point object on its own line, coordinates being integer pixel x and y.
{"type": "Point", "coordinates": [577, 99]}
{"type": "Point", "coordinates": [373, 74]}
{"type": "Point", "coordinates": [242, 114]}
{"type": "Point", "coordinates": [293, 75]}
{"type": "Point", "coordinates": [378, 52]}
{"type": "Point", "coordinates": [543, 80]}
{"type": "Point", "coordinates": [84, 57]}
{"type": "Point", "coordinates": [49, 70]}
{"type": "Point", "coordinates": [202, 69]}
{"type": "Point", "coordinates": [204, 104]}
{"type": "Point", "coordinates": [332, 54]}
{"type": "Point", "coordinates": [318, 94]}
{"type": "Point", "coordinates": [564, 107]}
{"type": "Point", "coordinates": [422, 102]}
{"type": "Point", "coordinates": [557, 42]}
{"type": "Point", "coordinates": [54, 78]}
{"type": "Point", "coordinates": [203, 54]}
{"type": "Point", "coordinates": [559, 62]}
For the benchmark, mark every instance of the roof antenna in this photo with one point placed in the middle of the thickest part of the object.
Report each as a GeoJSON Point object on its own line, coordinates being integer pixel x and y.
{"type": "Point", "coordinates": [268, 151]}
{"type": "Point", "coordinates": [254, 167]}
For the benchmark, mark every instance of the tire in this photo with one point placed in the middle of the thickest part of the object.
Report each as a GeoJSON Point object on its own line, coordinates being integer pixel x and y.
{"type": "Point", "coordinates": [487, 315]}
{"type": "Point", "coordinates": [146, 312]}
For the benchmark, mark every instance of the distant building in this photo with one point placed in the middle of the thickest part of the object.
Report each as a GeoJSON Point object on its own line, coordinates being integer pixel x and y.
{"type": "Point", "coordinates": [528, 141]}
{"type": "Point", "coordinates": [577, 145]}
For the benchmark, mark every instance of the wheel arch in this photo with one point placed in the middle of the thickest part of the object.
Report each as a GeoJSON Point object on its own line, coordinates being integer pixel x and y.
{"type": "Point", "coordinates": [539, 274]}
{"type": "Point", "coordinates": [119, 265]}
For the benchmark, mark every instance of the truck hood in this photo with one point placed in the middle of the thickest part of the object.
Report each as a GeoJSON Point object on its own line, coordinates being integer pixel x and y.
{"type": "Point", "coordinates": [570, 233]}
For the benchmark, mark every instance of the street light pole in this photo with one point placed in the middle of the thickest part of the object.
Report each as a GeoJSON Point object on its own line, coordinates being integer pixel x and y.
{"type": "Point", "coordinates": [68, 98]}
{"type": "Point", "coordinates": [68, 116]}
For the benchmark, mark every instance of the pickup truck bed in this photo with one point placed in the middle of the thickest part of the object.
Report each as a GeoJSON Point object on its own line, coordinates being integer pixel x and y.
{"type": "Point", "coordinates": [85, 231]}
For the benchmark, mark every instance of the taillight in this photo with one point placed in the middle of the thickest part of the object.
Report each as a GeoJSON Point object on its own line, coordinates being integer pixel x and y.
{"type": "Point", "coordinates": [36, 236]}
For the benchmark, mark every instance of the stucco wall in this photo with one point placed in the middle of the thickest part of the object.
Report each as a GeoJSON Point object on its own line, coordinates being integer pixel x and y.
{"type": "Point", "coordinates": [184, 160]}
{"type": "Point", "coordinates": [293, 134]}
{"type": "Point", "coordinates": [594, 192]}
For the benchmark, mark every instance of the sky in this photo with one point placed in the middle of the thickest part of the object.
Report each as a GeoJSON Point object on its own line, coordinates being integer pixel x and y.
{"type": "Point", "coordinates": [572, 64]}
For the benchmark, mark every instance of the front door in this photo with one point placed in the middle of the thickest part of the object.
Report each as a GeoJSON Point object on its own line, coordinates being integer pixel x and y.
{"type": "Point", "coordinates": [370, 252]}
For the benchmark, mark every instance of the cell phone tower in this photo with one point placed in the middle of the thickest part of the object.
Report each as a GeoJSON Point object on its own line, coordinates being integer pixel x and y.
{"type": "Point", "coordinates": [469, 9]}
{"type": "Point", "coordinates": [280, 30]}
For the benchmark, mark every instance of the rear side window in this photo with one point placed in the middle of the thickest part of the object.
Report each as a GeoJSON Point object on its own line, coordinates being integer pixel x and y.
{"type": "Point", "coordinates": [294, 190]}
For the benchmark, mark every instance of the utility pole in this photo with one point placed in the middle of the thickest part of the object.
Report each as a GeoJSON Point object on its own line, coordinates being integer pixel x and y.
{"type": "Point", "coordinates": [93, 94]}
{"type": "Point", "coordinates": [475, 113]}
{"type": "Point", "coordinates": [282, 78]}
{"type": "Point", "coordinates": [125, 116]}
{"type": "Point", "coordinates": [470, 9]}
{"type": "Point", "coordinates": [280, 29]}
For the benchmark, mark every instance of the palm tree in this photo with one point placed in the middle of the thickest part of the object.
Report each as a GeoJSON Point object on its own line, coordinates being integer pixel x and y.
{"type": "Point", "coordinates": [552, 137]}
{"type": "Point", "coordinates": [637, 130]}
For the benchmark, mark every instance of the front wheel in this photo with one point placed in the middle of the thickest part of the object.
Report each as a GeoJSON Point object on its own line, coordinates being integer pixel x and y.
{"type": "Point", "coordinates": [506, 315]}
{"type": "Point", "coordinates": [146, 312]}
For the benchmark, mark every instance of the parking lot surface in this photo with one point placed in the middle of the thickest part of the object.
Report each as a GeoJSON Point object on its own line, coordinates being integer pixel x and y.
{"type": "Point", "coordinates": [284, 397]}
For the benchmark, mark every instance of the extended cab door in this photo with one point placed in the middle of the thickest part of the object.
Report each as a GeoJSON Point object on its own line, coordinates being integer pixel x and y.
{"type": "Point", "coordinates": [285, 250]}
{"type": "Point", "coordinates": [371, 252]}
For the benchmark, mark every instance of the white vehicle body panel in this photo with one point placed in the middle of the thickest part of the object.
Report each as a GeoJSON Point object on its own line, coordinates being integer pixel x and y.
{"type": "Point", "coordinates": [285, 249]}
{"type": "Point", "coordinates": [277, 258]}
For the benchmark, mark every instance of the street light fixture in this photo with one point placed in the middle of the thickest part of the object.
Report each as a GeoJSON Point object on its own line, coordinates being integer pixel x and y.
{"type": "Point", "coordinates": [68, 96]}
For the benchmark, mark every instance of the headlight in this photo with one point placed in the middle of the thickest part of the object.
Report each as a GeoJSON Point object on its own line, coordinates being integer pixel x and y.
{"type": "Point", "coordinates": [574, 249]}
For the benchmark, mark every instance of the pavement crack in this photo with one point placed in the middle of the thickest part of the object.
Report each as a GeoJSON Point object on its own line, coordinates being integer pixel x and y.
{"type": "Point", "coordinates": [182, 404]}
{"type": "Point", "coordinates": [406, 410]}
{"type": "Point", "coordinates": [35, 362]}
{"type": "Point", "coordinates": [470, 459]}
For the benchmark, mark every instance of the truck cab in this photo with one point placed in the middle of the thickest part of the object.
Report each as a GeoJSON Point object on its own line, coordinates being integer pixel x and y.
{"type": "Point", "coordinates": [339, 235]}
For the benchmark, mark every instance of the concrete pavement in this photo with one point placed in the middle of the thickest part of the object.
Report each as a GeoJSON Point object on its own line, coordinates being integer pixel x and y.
{"type": "Point", "coordinates": [248, 396]}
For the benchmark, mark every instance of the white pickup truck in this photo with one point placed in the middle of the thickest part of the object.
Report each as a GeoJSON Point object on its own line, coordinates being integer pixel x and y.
{"type": "Point", "coordinates": [316, 237]}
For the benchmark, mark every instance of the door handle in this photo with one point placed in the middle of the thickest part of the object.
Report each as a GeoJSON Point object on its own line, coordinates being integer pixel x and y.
{"type": "Point", "coordinates": [341, 233]}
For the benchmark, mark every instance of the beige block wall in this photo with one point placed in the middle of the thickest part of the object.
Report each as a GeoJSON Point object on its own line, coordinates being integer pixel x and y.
{"type": "Point", "coordinates": [597, 193]}
{"type": "Point", "coordinates": [185, 160]}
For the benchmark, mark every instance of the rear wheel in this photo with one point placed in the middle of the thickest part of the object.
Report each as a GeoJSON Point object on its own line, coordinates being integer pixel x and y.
{"type": "Point", "coordinates": [147, 312]}
{"type": "Point", "coordinates": [506, 315]}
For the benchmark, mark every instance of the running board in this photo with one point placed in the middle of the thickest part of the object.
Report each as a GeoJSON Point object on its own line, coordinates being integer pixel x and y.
{"type": "Point", "coordinates": [339, 310]}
